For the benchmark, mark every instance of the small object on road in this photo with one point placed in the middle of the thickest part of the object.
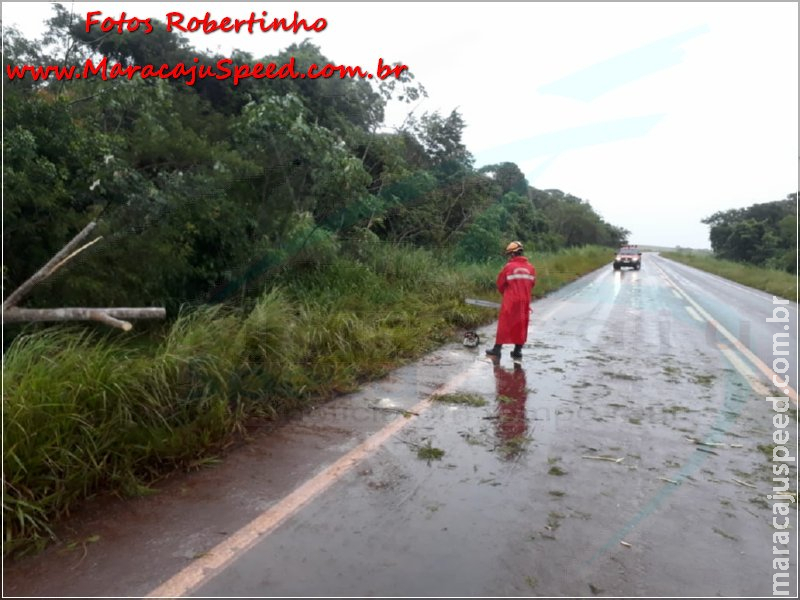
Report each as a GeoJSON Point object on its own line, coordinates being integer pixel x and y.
{"type": "Point", "coordinates": [471, 339]}
{"type": "Point", "coordinates": [484, 303]}
{"type": "Point", "coordinates": [744, 483]}
{"type": "Point", "coordinates": [607, 458]}
{"type": "Point", "coordinates": [707, 451]}
{"type": "Point", "coordinates": [668, 480]}
{"type": "Point", "coordinates": [701, 443]}
{"type": "Point", "coordinates": [624, 543]}
{"type": "Point", "coordinates": [405, 413]}
{"type": "Point", "coordinates": [736, 446]}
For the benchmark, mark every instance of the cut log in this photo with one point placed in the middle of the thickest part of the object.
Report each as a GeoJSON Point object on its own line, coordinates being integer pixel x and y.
{"type": "Point", "coordinates": [109, 316]}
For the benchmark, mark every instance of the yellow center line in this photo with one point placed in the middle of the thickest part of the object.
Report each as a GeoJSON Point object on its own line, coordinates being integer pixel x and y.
{"type": "Point", "coordinates": [754, 360]}
{"type": "Point", "coordinates": [211, 563]}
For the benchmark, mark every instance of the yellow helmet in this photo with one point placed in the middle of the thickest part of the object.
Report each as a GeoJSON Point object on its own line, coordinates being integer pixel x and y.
{"type": "Point", "coordinates": [514, 247]}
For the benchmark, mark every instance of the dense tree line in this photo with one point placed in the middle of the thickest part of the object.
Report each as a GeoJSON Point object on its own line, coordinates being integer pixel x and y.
{"type": "Point", "coordinates": [762, 234]}
{"type": "Point", "coordinates": [199, 188]}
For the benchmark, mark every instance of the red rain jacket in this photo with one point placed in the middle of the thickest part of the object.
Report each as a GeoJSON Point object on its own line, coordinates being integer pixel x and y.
{"type": "Point", "coordinates": [515, 282]}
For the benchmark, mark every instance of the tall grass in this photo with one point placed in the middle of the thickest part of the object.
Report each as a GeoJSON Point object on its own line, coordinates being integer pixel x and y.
{"type": "Point", "coordinates": [779, 283]}
{"type": "Point", "coordinates": [86, 412]}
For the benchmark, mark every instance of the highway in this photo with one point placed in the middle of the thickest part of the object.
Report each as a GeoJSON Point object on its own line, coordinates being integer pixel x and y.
{"type": "Point", "coordinates": [629, 454]}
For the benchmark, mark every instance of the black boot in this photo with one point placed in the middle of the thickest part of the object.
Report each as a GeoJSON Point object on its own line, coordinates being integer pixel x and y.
{"type": "Point", "coordinates": [495, 351]}
{"type": "Point", "coordinates": [517, 351]}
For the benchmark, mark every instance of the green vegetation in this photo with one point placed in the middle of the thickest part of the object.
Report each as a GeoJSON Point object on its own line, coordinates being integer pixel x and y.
{"type": "Point", "coordinates": [428, 452]}
{"type": "Point", "coordinates": [299, 248]}
{"type": "Point", "coordinates": [511, 447]}
{"type": "Point", "coordinates": [762, 234]}
{"type": "Point", "coordinates": [88, 410]}
{"type": "Point", "coordinates": [755, 246]}
{"type": "Point", "coordinates": [706, 380]}
{"type": "Point", "coordinates": [779, 283]}
{"type": "Point", "coordinates": [460, 398]}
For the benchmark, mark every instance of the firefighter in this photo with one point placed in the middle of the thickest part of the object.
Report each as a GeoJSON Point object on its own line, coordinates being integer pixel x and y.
{"type": "Point", "coordinates": [515, 281]}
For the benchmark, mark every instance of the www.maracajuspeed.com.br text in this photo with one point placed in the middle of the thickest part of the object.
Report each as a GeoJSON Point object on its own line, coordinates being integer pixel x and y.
{"type": "Point", "coordinates": [223, 69]}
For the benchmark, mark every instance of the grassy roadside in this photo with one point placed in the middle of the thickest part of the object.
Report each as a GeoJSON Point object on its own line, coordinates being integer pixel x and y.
{"type": "Point", "coordinates": [775, 282]}
{"type": "Point", "coordinates": [89, 411]}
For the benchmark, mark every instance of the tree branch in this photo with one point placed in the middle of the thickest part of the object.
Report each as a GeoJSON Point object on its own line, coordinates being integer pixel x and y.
{"type": "Point", "coordinates": [55, 262]}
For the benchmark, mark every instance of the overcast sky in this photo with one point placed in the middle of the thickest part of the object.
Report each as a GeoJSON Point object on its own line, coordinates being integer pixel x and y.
{"type": "Point", "coordinates": [658, 114]}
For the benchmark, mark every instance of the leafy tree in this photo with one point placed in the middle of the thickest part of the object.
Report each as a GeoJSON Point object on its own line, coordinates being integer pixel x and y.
{"type": "Point", "coordinates": [761, 234]}
{"type": "Point", "coordinates": [508, 176]}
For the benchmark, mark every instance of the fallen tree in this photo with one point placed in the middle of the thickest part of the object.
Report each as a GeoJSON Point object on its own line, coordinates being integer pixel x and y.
{"type": "Point", "coordinates": [109, 316]}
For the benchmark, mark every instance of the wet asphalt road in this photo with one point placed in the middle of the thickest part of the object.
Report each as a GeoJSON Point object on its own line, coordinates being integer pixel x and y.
{"type": "Point", "coordinates": [580, 476]}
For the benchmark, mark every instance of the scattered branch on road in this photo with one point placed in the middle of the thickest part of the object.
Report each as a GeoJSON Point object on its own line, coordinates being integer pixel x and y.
{"type": "Point", "coordinates": [706, 450]}
{"type": "Point", "coordinates": [624, 543]}
{"type": "Point", "coordinates": [701, 443]}
{"type": "Point", "coordinates": [669, 480]}
{"type": "Point", "coordinates": [607, 458]}
{"type": "Point", "coordinates": [744, 483]}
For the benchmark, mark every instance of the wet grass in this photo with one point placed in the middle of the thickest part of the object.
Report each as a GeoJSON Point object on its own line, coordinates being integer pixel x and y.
{"type": "Point", "coordinates": [460, 398]}
{"type": "Point", "coordinates": [598, 358]}
{"type": "Point", "coordinates": [428, 452]}
{"type": "Point", "coordinates": [766, 449]}
{"type": "Point", "coordinates": [554, 520]}
{"type": "Point", "coordinates": [581, 385]}
{"type": "Point", "coordinates": [514, 446]}
{"type": "Point", "coordinates": [634, 421]}
{"type": "Point", "coordinates": [505, 399]}
{"type": "Point", "coordinates": [624, 376]}
{"type": "Point", "coordinates": [675, 409]}
{"type": "Point", "coordinates": [556, 470]}
{"type": "Point", "coordinates": [557, 493]}
{"type": "Point", "coordinates": [472, 440]}
{"type": "Point", "coordinates": [706, 380]}
{"type": "Point", "coordinates": [724, 534]}
{"type": "Point", "coordinates": [776, 282]}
